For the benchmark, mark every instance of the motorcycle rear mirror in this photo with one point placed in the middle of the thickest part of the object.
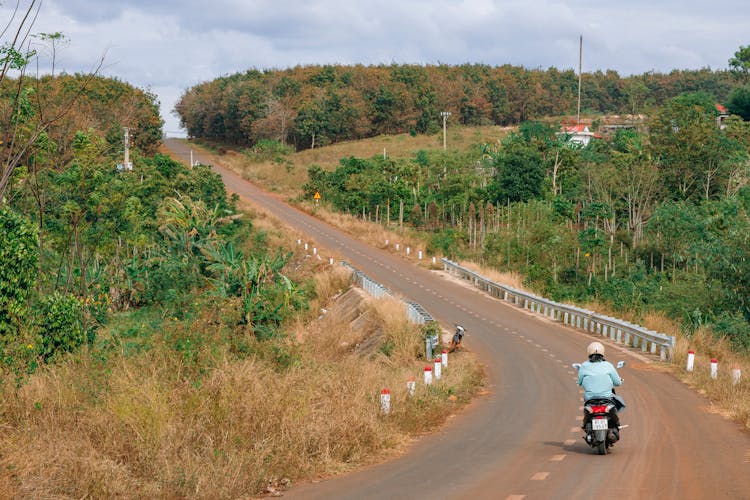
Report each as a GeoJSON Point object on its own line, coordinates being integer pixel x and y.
{"type": "Point", "coordinates": [577, 366]}
{"type": "Point", "coordinates": [620, 364]}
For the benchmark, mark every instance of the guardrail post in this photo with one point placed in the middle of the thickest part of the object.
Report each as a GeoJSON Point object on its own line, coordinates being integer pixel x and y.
{"type": "Point", "coordinates": [653, 347]}
{"type": "Point", "coordinates": [565, 318]}
{"type": "Point", "coordinates": [627, 337]}
{"type": "Point", "coordinates": [662, 353]}
{"type": "Point", "coordinates": [644, 345]}
{"type": "Point", "coordinates": [619, 336]}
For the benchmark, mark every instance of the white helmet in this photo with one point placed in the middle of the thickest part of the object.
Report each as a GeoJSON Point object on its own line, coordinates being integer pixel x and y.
{"type": "Point", "coordinates": [595, 348]}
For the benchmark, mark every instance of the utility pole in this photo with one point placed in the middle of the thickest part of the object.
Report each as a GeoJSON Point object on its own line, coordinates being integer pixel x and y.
{"type": "Point", "coordinates": [127, 165]}
{"type": "Point", "coordinates": [445, 115]}
{"type": "Point", "coordinates": [580, 66]}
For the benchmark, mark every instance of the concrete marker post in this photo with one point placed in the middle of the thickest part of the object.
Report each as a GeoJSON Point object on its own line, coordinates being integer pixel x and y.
{"type": "Point", "coordinates": [444, 358]}
{"type": "Point", "coordinates": [690, 360]}
{"type": "Point", "coordinates": [427, 375]}
{"type": "Point", "coordinates": [434, 261]}
{"type": "Point", "coordinates": [411, 385]}
{"type": "Point", "coordinates": [419, 254]}
{"type": "Point", "coordinates": [714, 368]}
{"type": "Point", "coordinates": [398, 245]}
{"type": "Point", "coordinates": [408, 250]}
{"type": "Point", "coordinates": [315, 251]}
{"type": "Point", "coordinates": [305, 246]}
{"type": "Point", "coordinates": [736, 375]}
{"type": "Point", "coordinates": [330, 261]}
{"type": "Point", "coordinates": [437, 370]}
{"type": "Point", "coordinates": [385, 401]}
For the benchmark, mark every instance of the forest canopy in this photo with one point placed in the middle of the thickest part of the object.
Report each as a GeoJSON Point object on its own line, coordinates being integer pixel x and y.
{"type": "Point", "coordinates": [309, 106]}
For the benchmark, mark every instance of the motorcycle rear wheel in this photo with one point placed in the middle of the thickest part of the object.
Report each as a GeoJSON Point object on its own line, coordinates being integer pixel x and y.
{"type": "Point", "coordinates": [601, 448]}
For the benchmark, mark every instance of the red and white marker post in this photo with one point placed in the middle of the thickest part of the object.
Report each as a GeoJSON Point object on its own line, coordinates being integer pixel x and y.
{"type": "Point", "coordinates": [714, 368]}
{"type": "Point", "coordinates": [427, 375]}
{"type": "Point", "coordinates": [690, 360]}
{"type": "Point", "coordinates": [385, 401]}
{"type": "Point", "coordinates": [438, 365]}
{"type": "Point", "coordinates": [736, 375]}
{"type": "Point", "coordinates": [444, 358]}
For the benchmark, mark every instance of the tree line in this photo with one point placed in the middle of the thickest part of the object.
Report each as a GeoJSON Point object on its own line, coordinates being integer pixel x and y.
{"type": "Point", "coordinates": [310, 106]}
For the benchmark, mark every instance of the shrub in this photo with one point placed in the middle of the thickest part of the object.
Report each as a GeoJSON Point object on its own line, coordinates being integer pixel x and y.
{"type": "Point", "coordinates": [61, 324]}
{"type": "Point", "coordinates": [18, 258]}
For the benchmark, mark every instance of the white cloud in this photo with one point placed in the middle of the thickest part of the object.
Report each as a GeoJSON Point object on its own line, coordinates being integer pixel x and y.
{"type": "Point", "coordinates": [168, 46]}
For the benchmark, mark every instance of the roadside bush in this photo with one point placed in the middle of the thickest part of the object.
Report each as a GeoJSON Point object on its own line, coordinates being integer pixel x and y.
{"type": "Point", "coordinates": [18, 261]}
{"type": "Point", "coordinates": [61, 324]}
{"type": "Point", "coordinates": [735, 328]}
{"type": "Point", "coordinates": [267, 150]}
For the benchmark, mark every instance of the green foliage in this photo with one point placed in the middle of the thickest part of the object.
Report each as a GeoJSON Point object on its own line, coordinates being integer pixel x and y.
{"type": "Point", "coordinates": [267, 297]}
{"type": "Point", "coordinates": [645, 222]}
{"type": "Point", "coordinates": [741, 61]}
{"type": "Point", "coordinates": [18, 272]}
{"type": "Point", "coordinates": [327, 104]}
{"type": "Point", "coordinates": [61, 324]}
{"type": "Point", "coordinates": [520, 173]}
{"type": "Point", "coordinates": [445, 242]}
{"type": "Point", "coordinates": [739, 102]}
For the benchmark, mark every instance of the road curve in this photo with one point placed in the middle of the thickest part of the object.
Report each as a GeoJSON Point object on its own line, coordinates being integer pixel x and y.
{"type": "Point", "coordinates": [522, 439]}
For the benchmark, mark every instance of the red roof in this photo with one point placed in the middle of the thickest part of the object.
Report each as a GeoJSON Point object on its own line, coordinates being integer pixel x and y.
{"type": "Point", "coordinates": [721, 109]}
{"type": "Point", "coordinates": [574, 128]}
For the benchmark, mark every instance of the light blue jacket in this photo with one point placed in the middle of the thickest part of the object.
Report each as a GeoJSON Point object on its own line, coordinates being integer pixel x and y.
{"type": "Point", "coordinates": [597, 379]}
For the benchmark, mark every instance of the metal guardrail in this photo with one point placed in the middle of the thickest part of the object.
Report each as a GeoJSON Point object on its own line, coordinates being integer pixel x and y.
{"type": "Point", "coordinates": [618, 330]}
{"type": "Point", "coordinates": [416, 313]}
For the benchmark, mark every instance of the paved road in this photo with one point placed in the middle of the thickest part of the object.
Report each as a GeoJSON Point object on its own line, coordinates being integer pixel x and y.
{"type": "Point", "coordinates": [522, 439]}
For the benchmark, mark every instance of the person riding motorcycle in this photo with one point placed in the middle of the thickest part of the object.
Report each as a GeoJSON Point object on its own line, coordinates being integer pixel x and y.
{"type": "Point", "coordinates": [598, 377]}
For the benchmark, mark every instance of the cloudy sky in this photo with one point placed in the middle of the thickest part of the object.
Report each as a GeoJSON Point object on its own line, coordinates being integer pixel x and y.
{"type": "Point", "coordinates": [167, 46]}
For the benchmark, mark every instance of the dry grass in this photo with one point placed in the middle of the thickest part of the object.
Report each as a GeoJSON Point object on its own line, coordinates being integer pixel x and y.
{"type": "Point", "coordinates": [729, 399]}
{"type": "Point", "coordinates": [511, 279]}
{"type": "Point", "coordinates": [149, 426]}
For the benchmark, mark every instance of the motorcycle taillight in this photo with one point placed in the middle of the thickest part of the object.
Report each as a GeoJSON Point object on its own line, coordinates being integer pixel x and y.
{"type": "Point", "coordinates": [600, 408]}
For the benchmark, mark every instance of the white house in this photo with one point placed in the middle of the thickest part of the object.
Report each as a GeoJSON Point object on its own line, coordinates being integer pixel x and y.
{"type": "Point", "coordinates": [576, 134]}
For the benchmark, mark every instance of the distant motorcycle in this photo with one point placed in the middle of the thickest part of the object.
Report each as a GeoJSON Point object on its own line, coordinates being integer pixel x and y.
{"type": "Point", "coordinates": [457, 337]}
{"type": "Point", "coordinates": [601, 421]}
